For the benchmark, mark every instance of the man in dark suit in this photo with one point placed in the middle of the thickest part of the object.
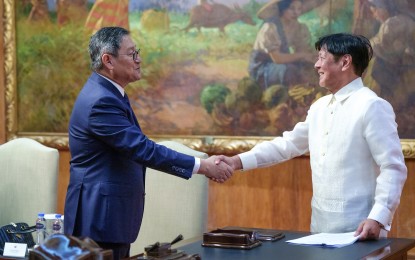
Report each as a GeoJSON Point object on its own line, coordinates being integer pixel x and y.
{"type": "Point", "coordinates": [110, 153]}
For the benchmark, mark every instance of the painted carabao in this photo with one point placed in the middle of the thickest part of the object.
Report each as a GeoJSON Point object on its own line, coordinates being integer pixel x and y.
{"type": "Point", "coordinates": [216, 16]}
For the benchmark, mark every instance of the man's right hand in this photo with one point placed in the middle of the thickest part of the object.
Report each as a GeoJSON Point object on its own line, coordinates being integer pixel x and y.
{"type": "Point", "coordinates": [234, 161]}
{"type": "Point", "coordinates": [215, 170]}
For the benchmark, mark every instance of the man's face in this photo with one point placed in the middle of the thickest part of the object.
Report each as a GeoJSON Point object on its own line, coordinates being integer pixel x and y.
{"type": "Point", "coordinates": [125, 68]}
{"type": "Point", "coordinates": [328, 70]}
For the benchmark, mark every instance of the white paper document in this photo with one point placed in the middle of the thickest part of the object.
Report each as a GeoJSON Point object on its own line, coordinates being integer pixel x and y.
{"type": "Point", "coordinates": [326, 239]}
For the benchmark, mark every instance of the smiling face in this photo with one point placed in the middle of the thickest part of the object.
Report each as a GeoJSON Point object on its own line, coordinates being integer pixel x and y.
{"type": "Point", "coordinates": [124, 68]}
{"type": "Point", "coordinates": [329, 71]}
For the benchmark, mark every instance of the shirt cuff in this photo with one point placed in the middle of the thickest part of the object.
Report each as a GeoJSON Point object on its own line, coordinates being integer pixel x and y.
{"type": "Point", "coordinates": [197, 166]}
{"type": "Point", "coordinates": [381, 215]}
{"type": "Point", "coordinates": [248, 161]}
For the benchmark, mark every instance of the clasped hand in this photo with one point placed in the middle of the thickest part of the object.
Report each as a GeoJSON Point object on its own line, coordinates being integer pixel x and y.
{"type": "Point", "coordinates": [218, 168]}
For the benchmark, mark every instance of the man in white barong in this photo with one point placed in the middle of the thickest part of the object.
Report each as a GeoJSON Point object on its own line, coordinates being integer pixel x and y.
{"type": "Point", "coordinates": [358, 168]}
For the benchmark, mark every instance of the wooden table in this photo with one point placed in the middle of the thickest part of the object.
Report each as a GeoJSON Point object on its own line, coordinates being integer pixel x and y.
{"type": "Point", "coordinates": [390, 248]}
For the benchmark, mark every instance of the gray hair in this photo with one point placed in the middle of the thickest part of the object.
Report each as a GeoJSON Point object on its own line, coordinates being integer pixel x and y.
{"type": "Point", "coordinates": [106, 40]}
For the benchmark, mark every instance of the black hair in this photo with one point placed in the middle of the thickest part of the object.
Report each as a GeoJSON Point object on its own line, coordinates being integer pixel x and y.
{"type": "Point", "coordinates": [340, 44]}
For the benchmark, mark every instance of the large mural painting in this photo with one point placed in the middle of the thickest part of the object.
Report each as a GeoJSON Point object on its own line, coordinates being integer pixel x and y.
{"type": "Point", "coordinates": [205, 66]}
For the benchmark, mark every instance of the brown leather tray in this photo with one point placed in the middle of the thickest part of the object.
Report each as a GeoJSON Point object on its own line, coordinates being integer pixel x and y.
{"type": "Point", "coordinates": [239, 238]}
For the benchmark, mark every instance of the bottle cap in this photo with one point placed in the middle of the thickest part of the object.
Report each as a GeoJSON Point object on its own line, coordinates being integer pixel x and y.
{"type": "Point", "coordinates": [58, 216]}
{"type": "Point", "coordinates": [41, 214]}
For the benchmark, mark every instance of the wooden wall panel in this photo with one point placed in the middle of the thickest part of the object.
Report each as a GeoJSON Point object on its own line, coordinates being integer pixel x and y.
{"type": "Point", "coordinates": [63, 179]}
{"type": "Point", "coordinates": [405, 218]}
{"type": "Point", "coordinates": [404, 223]}
{"type": "Point", "coordinates": [274, 197]}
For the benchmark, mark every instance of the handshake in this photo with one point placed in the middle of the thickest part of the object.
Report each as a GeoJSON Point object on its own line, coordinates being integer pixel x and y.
{"type": "Point", "coordinates": [219, 168]}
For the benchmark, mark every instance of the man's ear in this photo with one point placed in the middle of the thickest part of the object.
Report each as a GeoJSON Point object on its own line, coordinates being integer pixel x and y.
{"type": "Point", "coordinates": [346, 61]}
{"type": "Point", "coordinates": [107, 61]}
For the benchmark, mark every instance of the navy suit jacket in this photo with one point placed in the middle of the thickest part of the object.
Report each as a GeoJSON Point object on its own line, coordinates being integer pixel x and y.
{"type": "Point", "coordinates": [105, 196]}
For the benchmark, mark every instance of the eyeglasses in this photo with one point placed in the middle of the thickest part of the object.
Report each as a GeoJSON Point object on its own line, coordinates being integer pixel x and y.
{"type": "Point", "coordinates": [134, 54]}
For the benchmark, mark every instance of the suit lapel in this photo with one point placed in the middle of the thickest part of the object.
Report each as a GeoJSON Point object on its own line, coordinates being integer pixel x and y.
{"type": "Point", "coordinates": [110, 87]}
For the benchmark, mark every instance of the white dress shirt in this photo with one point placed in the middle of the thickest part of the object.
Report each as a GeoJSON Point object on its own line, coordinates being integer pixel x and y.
{"type": "Point", "coordinates": [358, 169]}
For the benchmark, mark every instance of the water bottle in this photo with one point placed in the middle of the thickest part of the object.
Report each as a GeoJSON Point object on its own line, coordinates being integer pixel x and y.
{"type": "Point", "coordinates": [57, 225]}
{"type": "Point", "coordinates": [40, 228]}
